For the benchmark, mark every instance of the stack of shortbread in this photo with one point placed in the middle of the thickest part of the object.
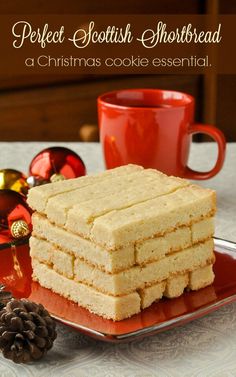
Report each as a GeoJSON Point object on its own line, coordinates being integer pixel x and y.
{"type": "Point", "coordinates": [117, 241]}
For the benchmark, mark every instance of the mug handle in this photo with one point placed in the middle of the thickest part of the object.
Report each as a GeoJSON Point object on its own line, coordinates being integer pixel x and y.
{"type": "Point", "coordinates": [219, 137]}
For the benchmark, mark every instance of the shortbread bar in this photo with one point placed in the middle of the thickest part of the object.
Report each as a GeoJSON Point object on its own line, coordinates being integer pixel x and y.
{"type": "Point", "coordinates": [117, 241]}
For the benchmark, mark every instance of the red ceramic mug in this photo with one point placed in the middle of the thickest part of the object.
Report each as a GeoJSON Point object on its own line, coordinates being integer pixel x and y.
{"type": "Point", "coordinates": [153, 128]}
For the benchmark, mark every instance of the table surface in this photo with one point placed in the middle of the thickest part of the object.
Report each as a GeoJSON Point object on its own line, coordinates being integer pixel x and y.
{"type": "Point", "coordinates": [202, 348]}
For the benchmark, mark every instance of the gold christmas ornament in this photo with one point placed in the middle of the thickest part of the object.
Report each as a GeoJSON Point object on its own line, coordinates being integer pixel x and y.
{"type": "Point", "coordinates": [19, 229]}
{"type": "Point", "coordinates": [57, 178]}
{"type": "Point", "coordinates": [13, 180]}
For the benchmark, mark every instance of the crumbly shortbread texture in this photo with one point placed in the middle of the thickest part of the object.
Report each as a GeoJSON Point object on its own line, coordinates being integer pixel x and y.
{"type": "Point", "coordinates": [117, 241]}
{"type": "Point", "coordinates": [141, 253]}
{"type": "Point", "coordinates": [115, 307]}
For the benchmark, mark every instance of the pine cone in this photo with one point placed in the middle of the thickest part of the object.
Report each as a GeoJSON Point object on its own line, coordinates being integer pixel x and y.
{"type": "Point", "coordinates": [27, 331]}
{"type": "Point", "coordinates": [4, 296]}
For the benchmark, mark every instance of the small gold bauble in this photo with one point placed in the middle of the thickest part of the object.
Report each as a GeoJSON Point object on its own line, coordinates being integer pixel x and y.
{"type": "Point", "coordinates": [13, 180]}
{"type": "Point", "coordinates": [57, 177]}
{"type": "Point", "coordinates": [19, 229]}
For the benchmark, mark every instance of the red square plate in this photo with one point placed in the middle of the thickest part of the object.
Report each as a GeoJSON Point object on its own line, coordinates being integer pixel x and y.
{"type": "Point", "coordinates": [15, 274]}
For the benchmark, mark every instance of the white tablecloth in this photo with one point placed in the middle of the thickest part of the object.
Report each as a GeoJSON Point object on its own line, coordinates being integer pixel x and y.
{"type": "Point", "coordinates": [203, 348]}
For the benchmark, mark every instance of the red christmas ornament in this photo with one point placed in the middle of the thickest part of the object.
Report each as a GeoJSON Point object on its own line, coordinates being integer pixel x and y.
{"type": "Point", "coordinates": [15, 216]}
{"type": "Point", "coordinates": [56, 163]}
